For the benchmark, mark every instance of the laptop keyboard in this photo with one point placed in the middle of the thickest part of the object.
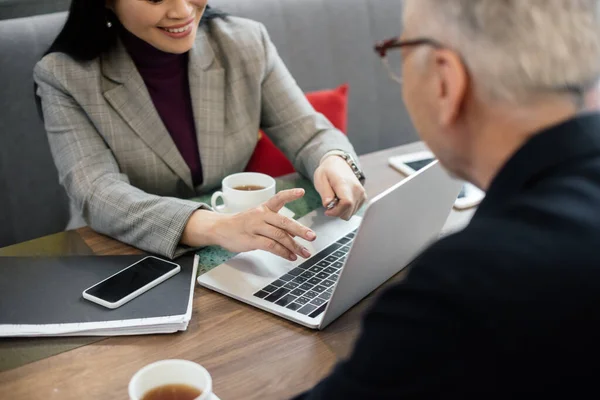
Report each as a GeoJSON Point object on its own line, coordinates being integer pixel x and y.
{"type": "Point", "coordinates": [308, 287]}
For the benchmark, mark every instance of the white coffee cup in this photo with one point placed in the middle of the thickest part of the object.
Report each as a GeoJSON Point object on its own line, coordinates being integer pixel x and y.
{"type": "Point", "coordinates": [170, 372]}
{"type": "Point", "coordinates": [235, 201]}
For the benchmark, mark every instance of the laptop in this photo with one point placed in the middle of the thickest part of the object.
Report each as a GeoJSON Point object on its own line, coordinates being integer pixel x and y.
{"type": "Point", "coordinates": [349, 259]}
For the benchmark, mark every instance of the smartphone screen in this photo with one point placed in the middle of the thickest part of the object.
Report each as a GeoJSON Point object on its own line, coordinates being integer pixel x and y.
{"type": "Point", "coordinates": [418, 164]}
{"type": "Point", "coordinates": [131, 279]}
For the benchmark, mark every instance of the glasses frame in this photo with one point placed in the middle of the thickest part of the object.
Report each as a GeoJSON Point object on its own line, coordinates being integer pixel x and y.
{"type": "Point", "coordinates": [382, 48]}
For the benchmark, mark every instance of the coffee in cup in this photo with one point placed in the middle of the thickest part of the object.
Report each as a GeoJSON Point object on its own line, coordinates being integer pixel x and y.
{"type": "Point", "coordinates": [249, 188]}
{"type": "Point", "coordinates": [164, 380]}
{"type": "Point", "coordinates": [243, 191]}
{"type": "Point", "coordinates": [173, 392]}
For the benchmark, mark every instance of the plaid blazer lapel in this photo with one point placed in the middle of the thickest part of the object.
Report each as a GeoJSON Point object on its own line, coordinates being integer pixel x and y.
{"type": "Point", "coordinates": [207, 89]}
{"type": "Point", "coordinates": [128, 95]}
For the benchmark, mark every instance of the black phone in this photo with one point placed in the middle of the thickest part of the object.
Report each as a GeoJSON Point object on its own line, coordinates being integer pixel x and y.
{"type": "Point", "coordinates": [131, 282]}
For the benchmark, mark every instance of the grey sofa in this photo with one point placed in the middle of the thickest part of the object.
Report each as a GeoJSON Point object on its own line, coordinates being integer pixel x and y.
{"type": "Point", "coordinates": [324, 43]}
{"type": "Point", "coordinates": [26, 8]}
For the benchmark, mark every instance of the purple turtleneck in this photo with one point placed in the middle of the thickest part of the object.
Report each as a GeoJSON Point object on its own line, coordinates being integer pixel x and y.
{"type": "Point", "coordinates": [166, 77]}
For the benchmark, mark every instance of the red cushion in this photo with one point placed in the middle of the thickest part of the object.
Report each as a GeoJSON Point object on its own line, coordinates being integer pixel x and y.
{"type": "Point", "coordinates": [268, 159]}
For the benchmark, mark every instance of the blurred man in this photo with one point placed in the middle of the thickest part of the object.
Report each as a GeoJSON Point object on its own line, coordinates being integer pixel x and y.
{"type": "Point", "coordinates": [502, 91]}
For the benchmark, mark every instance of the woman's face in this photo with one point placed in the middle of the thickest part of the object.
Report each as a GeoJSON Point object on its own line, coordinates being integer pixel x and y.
{"type": "Point", "coordinates": [168, 25]}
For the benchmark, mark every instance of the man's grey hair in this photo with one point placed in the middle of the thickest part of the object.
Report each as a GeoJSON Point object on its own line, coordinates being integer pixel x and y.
{"type": "Point", "coordinates": [514, 48]}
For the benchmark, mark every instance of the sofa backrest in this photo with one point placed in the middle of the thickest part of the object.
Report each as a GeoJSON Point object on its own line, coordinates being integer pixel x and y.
{"type": "Point", "coordinates": [324, 43]}
{"type": "Point", "coordinates": [32, 203]}
{"type": "Point", "coordinates": [25, 8]}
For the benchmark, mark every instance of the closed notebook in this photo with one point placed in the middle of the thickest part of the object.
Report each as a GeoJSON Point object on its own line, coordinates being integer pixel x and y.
{"type": "Point", "coordinates": [41, 296]}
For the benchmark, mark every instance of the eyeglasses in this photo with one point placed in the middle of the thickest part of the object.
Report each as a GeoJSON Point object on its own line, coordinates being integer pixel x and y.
{"type": "Point", "coordinates": [382, 49]}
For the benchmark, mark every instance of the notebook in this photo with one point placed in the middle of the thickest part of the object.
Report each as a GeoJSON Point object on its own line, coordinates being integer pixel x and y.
{"type": "Point", "coordinates": [41, 296]}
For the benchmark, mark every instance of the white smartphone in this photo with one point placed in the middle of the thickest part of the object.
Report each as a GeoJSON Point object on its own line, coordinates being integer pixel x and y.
{"type": "Point", "coordinates": [130, 282]}
{"type": "Point", "coordinates": [470, 196]}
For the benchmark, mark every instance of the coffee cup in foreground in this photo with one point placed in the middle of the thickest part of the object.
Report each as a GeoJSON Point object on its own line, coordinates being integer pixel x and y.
{"type": "Point", "coordinates": [171, 379]}
{"type": "Point", "coordinates": [243, 191]}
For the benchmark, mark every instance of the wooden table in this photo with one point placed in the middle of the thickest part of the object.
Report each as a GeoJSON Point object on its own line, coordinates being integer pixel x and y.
{"type": "Point", "coordinates": [250, 354]}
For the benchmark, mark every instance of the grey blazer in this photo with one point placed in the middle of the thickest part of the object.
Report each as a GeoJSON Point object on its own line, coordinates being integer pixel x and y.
{"type": "Point", "coordinates": [119, 165]}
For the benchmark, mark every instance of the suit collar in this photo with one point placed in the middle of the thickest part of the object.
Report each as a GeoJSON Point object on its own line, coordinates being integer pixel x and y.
{"type": "Point", "coordinates": [548, 150]}
{"type": "Point", "coordinates": [116, 64]}
{"type": "Point", "coordinates": [202, 54]}
{"type": "Point", "coordinates": [207, 91]}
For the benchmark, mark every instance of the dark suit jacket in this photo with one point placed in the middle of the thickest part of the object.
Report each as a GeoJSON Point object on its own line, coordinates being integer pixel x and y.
{"type": "Point", "coordinates": [510, 306]}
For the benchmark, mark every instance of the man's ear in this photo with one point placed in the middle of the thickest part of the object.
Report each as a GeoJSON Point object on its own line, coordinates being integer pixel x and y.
{"type": "Point", "coordinates": [452, 79]}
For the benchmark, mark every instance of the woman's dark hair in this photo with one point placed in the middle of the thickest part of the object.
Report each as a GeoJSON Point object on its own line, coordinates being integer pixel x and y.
{"type": "Point", "coordinates": [86, 35]}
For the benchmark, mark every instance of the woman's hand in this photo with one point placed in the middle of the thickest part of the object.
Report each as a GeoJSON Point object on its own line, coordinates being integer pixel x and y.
{"type": "Point", "coordinates": [261, 228]}
{"type": "Point", "coordinates": [334, 178]}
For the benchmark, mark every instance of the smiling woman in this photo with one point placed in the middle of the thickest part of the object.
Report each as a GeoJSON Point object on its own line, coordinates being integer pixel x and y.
{"type": "Point", "coordinates": [92, 28]}
{"type": "Point", "coordinates": [149, 103]}
{"type": "Point", "coordinates": [170, 27]}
